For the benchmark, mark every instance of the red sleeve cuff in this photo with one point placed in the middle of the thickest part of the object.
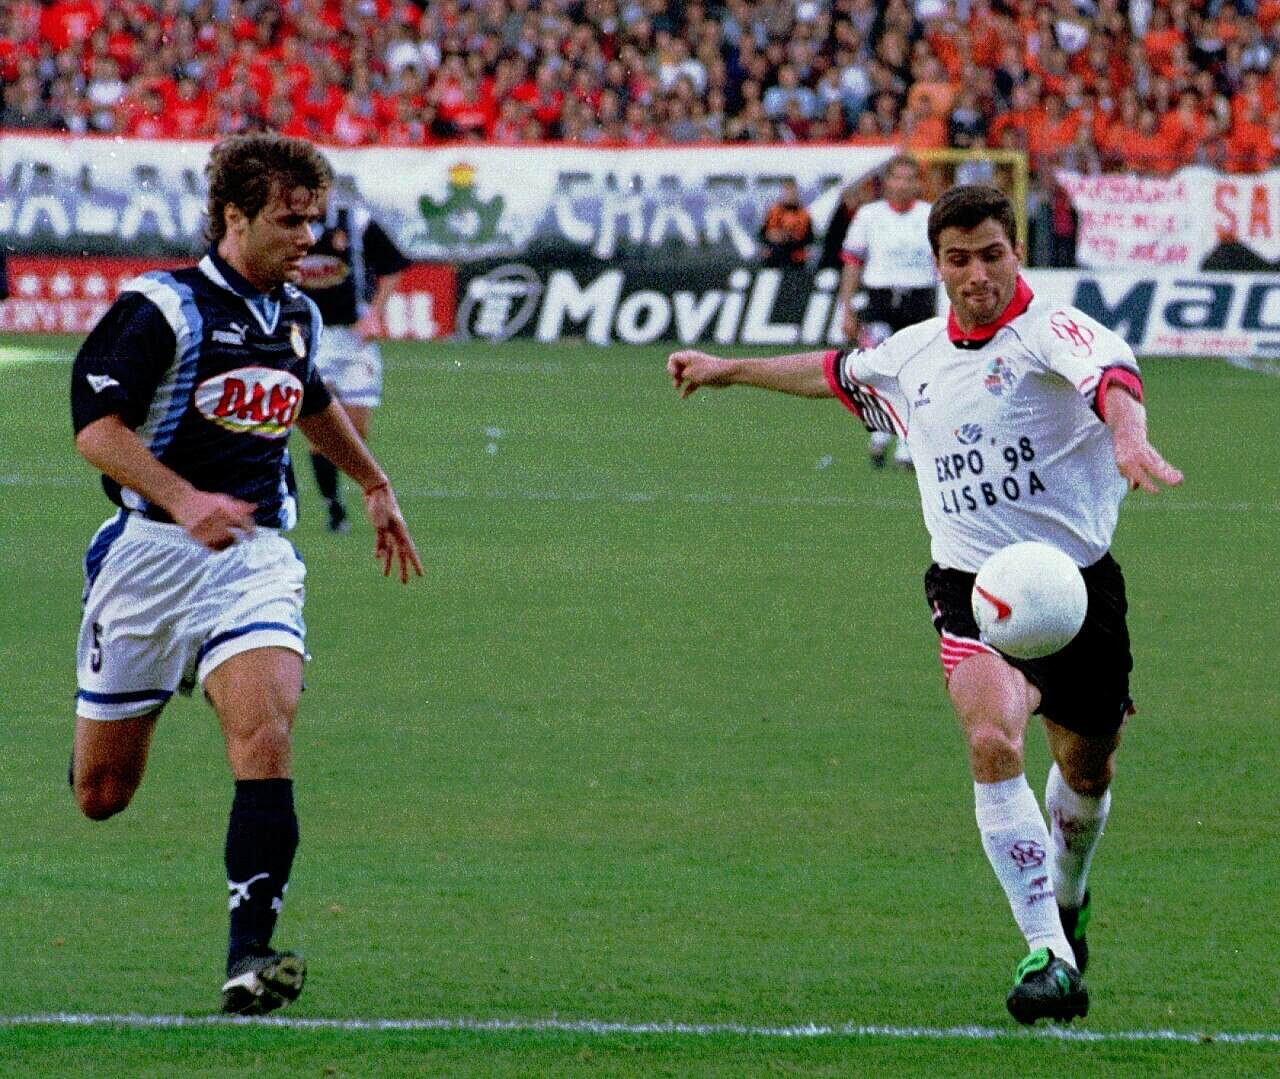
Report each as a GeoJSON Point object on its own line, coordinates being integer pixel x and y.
{"type": "Point", "coordinates": [829, 362]}
{"type": "Point", "coordinates": [1128, 380]}
{"type": "Point", "coordinates": [852, 257]}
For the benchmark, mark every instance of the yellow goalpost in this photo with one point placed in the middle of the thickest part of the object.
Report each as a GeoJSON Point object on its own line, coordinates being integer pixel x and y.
{"type": "Point", "coordinates": [1006, 169]}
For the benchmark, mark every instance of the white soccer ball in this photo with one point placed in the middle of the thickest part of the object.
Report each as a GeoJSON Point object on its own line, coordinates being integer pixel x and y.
{"type": "Point", "coordinates": [1029, 600]}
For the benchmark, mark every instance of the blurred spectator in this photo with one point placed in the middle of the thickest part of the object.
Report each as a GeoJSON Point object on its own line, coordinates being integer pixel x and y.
{"type": "Point", "coordinates": [967, 124]}
{"type": "Point", "coordinates": [104, 92]}
{"type": "Point", "coordinates": [1063, 228]}
{"type": "Point", "coordinates": [787, 230]}
{"type": "Point", "coordinates": [789, 89]}
{"type": "Point", "coordinates": [1148, 151]}
{"type": "Point", "coordinates": [1082, 155]}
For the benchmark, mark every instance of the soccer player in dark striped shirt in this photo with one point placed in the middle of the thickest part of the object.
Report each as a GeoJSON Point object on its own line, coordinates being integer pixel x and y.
{"type": "Point", "coordinates": [183, 396]}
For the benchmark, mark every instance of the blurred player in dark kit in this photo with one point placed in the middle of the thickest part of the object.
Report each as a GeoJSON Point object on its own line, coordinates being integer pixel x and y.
{"type": "Point", "coordinates": [349, 274]}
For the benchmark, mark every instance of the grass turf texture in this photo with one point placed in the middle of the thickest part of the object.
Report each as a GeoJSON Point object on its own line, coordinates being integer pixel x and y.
{"type": "Point", "coordinates": [662, 736]}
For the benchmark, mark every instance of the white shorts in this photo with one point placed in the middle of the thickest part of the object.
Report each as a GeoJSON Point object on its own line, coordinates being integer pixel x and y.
{"type": "Point", "coordinates": [350, 366]}
{"type": "Point", "coordinates": [161, 611]}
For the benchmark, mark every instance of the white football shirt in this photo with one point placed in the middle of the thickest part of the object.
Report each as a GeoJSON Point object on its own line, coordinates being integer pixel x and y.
{"type": "Point", "coordinates": [892, 245]}
{"type": "Point", "coordinates": [1001, 426]}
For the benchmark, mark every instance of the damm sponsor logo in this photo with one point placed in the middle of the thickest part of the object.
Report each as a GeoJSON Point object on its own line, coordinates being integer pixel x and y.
{"type": "Point", "coordinates": [252, 400]}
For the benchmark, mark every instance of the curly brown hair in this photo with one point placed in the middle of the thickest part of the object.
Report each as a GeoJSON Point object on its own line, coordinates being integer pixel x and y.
{"type": "Point", "coordinates": [966, 206]}
{"type": "Point", "coordinates": [246, 170]}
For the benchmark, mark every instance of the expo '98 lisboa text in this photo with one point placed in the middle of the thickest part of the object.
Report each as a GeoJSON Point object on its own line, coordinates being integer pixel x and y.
{"type": "Point", "coordinates": [1019, 481]}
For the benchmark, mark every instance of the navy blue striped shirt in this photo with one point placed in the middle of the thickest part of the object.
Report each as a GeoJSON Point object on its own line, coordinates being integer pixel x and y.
{"type": "Point", "coordinates": [212, 374]}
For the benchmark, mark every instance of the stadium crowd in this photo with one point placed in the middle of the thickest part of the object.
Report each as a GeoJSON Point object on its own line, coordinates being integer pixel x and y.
{"type": "Point", "coordinates": [1137, 85]}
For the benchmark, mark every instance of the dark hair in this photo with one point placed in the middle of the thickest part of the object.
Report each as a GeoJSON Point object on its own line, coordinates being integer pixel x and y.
{"type": "Point", "coordinates": [901, 160]}
{"type": "Point", "coordinates": [246, 170]}
{"type": "Point", "coordinates": [967, 206]}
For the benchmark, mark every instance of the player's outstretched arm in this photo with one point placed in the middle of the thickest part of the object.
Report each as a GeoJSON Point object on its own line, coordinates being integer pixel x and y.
{"type": "Point", "coordinates": [1137, 460]}
{"type": "Point", "coordinates": [802, 374]}
{"type": "Point", "coordinates": [332, 433]}
{"type": "Point", "coordinates": [115, 448]}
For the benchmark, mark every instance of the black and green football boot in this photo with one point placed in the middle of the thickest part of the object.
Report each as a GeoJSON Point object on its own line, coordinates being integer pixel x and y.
{"type": "Point", "coordinates": [1075, 923]}
{"type": "Point", "coordinates": [1046, 987]}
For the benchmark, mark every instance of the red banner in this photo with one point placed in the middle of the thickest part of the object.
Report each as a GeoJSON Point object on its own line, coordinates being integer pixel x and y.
{"type": "Point", "coordinates": [69, 295]}
{"type": "Point", "coordinates": [61, 295]}
{"type": "Point", "coordinates": [424, 303]}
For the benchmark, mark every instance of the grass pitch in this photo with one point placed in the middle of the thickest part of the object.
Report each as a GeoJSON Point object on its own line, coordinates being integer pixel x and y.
{"type": "Point", "coordinates": [660, 737]}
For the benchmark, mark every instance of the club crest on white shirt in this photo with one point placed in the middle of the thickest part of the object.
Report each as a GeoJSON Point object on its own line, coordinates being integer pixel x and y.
{"type": "Point", "coordinates": [1070, 330]}
{"type": "Point", "coordinates": [999, 377]}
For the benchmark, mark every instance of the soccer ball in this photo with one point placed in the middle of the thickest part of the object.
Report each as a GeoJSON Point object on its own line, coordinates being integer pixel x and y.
{"type": "Point", "coordinates": [1029, 600]}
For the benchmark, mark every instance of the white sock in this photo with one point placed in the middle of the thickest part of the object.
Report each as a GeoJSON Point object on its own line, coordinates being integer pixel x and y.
{"type": "Point", "coordinates": [1017, 845]}
{"type": "Point", "coordinates": [880, 441]}
{"type": "Point", "coordinates": [1077, 821]}
{"type": "Point", "coordinates": [901, 453]}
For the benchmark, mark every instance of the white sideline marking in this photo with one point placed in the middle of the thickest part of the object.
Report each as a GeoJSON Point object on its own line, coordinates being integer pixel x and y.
{"type": "Point", "coordinates": [14, 357]}
{"type": "Point", "coordinates": [605, 1028]}
{"type": "Point", "coordinates": [728, 498]}
{"type": "Point", "coordinates": [692, 498]}
{"type": "Point", "coordinates": [1269, 366]}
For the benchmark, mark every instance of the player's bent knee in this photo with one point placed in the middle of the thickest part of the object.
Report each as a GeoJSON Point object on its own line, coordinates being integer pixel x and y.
{"type": "Point", "coordinates": [102, 797]}
{"type": "Point", "coordinates": [1091, 784]}
{"type": "Point", "coordinates": [994, 749]}
{"type": "Point", "coordinates": [263, 752]}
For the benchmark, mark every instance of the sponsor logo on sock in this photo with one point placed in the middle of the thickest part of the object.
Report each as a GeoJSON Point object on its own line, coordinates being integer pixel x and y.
{"type": "Point", "coordinates": [1066, 829]}
{"type": "Point", "coordinates": [1027, 854]}
{"type": "Point", "coordinates": [1041, 890]}
{"type": "Point", "coordinates": [240, 890]}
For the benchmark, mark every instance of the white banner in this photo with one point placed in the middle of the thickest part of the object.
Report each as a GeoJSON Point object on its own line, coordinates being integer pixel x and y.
{"type": "Point", "coordinates": [1195, 219]}
{"type": "Point", "coordinates": [1226, 316]}
{"type": "Point", "coordinates": [450, 203]}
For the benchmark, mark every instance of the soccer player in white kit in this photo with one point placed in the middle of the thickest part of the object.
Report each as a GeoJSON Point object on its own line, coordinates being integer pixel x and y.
{"type": "Point", "coordinates": [888, 281]}
{"type": "Point", "coordinates": [1026, 423]}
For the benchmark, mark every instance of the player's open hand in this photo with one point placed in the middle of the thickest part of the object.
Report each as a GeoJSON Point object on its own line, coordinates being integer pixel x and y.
{"type": "Point", "coordinates": [215, 520]}
{"type": "Point", "coordinates": [1142, 466]}
{"type": "Point", "coordinates": [690, 369]}
{"type": "Point", "coordinates": [393, 540]}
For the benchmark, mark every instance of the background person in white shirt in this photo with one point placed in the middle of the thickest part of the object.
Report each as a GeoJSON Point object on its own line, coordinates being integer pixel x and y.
{"type": "Point", "coordinates": [1026, 423]}
{"type": "Point", "coordinates": [888, 281]}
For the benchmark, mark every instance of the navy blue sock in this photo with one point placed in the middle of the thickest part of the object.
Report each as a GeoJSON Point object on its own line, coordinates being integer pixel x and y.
{"type": "Point", "coordinates": [262, 836]}
{"type": "Point", "coordinates": [326, 475]}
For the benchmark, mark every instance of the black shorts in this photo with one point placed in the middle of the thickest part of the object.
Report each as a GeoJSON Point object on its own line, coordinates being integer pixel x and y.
{"type": "Point", "coordinates": [1085, 687]}
{"type": "Point", "coordinates": [900, 307]}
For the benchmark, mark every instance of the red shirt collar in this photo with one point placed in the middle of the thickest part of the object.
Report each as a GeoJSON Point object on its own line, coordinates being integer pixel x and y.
{"type": "Point", "coordinates": [900, 207]}
{"type": "Point", "coordinates": [980, 335]}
